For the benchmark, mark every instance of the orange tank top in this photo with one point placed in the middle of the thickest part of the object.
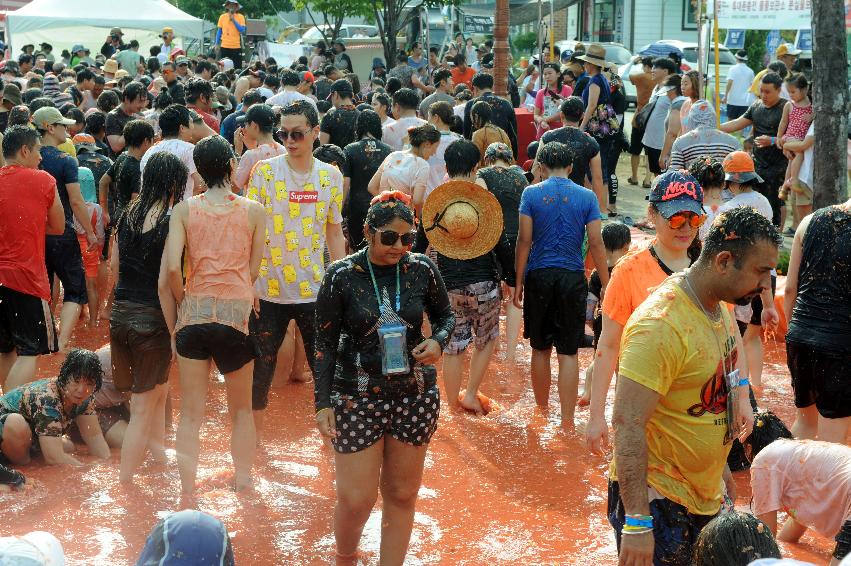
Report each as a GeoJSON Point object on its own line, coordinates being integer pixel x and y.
{"type": "Point", "coordinates": [218, 281]}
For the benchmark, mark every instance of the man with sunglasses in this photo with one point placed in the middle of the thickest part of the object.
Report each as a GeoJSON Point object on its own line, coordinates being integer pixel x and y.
{"type": "Point", "coordinates": [303, 198]}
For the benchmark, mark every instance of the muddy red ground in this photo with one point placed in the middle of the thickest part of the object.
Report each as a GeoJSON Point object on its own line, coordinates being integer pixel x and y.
{"type": "Point", "coordinates": [503, 489]}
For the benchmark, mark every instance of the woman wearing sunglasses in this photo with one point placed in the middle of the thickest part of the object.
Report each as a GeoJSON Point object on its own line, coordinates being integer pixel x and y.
{"type": "Point", "coordinates": [676, 210]}
{"type": "Point", "coordinates": [376, 389]}
{"type": "Point", "coordinates": [407, 171]}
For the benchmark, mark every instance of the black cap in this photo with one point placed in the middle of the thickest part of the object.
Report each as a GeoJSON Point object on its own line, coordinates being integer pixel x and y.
{"type": "Point", "coordinates": [487, 61]}
{"type": "Point", "coordinates": [260, 114]}
{"type": "Point", "coordinates": [342, 87]}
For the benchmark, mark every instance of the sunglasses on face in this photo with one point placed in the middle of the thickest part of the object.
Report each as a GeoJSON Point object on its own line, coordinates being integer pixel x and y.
{"type": "Point", "coordinates": [680, 219]}
{"type": "Point", "coordinates": [296, 135]}
{"type": "Point", "coordinates": [389, 237]}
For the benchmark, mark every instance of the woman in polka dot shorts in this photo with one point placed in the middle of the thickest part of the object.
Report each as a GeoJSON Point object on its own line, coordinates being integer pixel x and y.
{"type": "Point", "coordinates": [376, 388]}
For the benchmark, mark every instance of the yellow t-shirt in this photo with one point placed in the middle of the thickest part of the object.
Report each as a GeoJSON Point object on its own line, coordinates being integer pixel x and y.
{"type": "Point", "coordinates": [754, 90]}
{"type": "Point", "coordinates": [297, 214]}
{"type": "Point", "coordinates": [670, 346]}
{"type": "Point", "coordinates": [68, 147]}
{"type": "Point", "coordinates": [231, 35]}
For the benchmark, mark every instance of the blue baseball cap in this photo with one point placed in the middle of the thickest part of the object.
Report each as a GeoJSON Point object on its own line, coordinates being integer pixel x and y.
{"type": "Point", "coordinates": [187, 538]}
{"type": "Point", "coordinates": [676, 191]}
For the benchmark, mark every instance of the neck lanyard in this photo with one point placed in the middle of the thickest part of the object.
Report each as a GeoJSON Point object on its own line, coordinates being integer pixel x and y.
{"type": "Point", "coordinates": [375, 286]}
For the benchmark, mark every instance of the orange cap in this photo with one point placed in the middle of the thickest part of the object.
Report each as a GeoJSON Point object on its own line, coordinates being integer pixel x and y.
{"type": "Point", "coordinates": [739, 168]}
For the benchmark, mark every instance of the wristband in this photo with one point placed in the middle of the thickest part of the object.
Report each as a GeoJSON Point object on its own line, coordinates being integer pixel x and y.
{"type": "Point", "coordinates": [773, 141]}
{"type": "Point", "coordinates": [743, 382]}
{"type": "Point", "coordinates": [638, 522]}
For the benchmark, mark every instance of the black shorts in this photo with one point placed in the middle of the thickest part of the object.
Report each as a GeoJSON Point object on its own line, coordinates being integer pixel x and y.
{"type": "Point", "coordinates": [268, 331]}
{"type": "Point", "coordinates": [229, 348]}
{"type": "Point", "coordinates": [653, 156]}
{"type": "Point", "coordinates": [141, 347]}
{"type": "Point", "coordinates": [26, 324]}
{"type": "Point", "coordinates": [820, 377]}
{"type": "Point", "coordinates": [234, 55]}
{"type": "Point", "coordinates": [554, 309]}
{"type": "Point", "coordinates": [770, 189]}
{"type": "Point", "coordinates": [635, 145]}
{"type": "Point", "coordinates": [734, 112]}
{"type": "Point", "coordinates": [65, 260]}
{"type": "Point", "coordinates": [363, 421]}
{"type": "Point", "coordinates": [756, 305]}
{"type": "Point", "coordinates": [843, 541]}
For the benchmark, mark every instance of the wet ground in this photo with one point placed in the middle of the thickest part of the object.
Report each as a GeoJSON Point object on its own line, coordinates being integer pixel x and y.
{"type": "Point", "coordinates": [507, 488]}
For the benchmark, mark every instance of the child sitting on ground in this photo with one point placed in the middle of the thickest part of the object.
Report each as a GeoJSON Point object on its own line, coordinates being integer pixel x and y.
{"type": "Point", "coordinates": [617, 239]}
{"type": "Point", "coordinates": [809, 480]}
{"type": "Point", "coordinates": [91, 257]}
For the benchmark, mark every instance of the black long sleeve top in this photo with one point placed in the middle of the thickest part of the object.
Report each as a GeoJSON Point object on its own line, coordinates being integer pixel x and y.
{"type": "Point", "coordinates": [348, 353]}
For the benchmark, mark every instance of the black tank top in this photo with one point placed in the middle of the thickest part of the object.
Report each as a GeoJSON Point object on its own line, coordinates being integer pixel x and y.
{"type": "Point", "coordinates": [822, 313]}
{"type": "Point", "coordinates": [139, 264]}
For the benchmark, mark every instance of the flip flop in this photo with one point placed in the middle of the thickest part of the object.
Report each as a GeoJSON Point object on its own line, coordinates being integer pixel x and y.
{"type": "Point", "coordinates": [632, 181]}
{"type": "Point", "coordinates": [11, 477]}
{"type": "Point", "coordinates": [646, 185]}
{"type": "Point", "coordinates": [628, 221]}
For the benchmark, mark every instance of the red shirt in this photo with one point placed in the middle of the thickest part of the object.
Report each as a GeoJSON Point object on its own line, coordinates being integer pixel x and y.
{"type": "Point", "coordinates": [466, 77]}
{"type": "Point", "coordinates": [209, 119]}
{"type": "Point", "coordinates": [26, 196]}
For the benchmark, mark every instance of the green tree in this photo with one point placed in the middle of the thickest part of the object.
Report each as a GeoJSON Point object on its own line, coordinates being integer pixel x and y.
{"type": "Point", "coordinates": [393, 16]}
{"type": "Point", "coordinates": [210, 10]}
{"type": "Point", "coordinates": [332, 13]}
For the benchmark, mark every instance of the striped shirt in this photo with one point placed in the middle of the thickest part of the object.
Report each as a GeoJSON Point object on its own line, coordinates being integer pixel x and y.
{"type": "Point", "coordinates": [702, 141]}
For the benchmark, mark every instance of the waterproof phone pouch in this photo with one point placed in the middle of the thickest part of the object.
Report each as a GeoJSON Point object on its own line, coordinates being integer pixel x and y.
{"type": "Point", "coordinates": [393, 339]}
{"type": "Point", "coordinates": [732, 403]}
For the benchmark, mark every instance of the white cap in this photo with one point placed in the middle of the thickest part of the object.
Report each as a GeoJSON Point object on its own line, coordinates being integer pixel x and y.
{"type": "Point", "coordinates": [226, 64]}
{"type": "Point", "coordinates": [37, 548]}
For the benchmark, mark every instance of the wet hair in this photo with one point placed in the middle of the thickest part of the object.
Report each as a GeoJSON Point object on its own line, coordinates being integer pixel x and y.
{"type": "Point", "coordinates": [734, 539]}
{"type": "Point", "coordinates": [387, 207]}
{"type": "Point", "coordinates": [16, 137]}
{"type": "Point", "coordinates": [419, 135]}
{"type": "Point", "coordinates": [289, 78]}
{"type": "Point", "coordinates": [107, 101]}
{"type": "Point", "coordinates": [323, 106]}
{"type": "Point", "coordinates": [31, 94]}
{"type": "Point", "coordinates": [442, 110]}
{"type": "Point", "coordinates": [767, 427]}
{"type": "Point", "coordinates": [778, 67]}
{"type": "Point", "coordinates": [363, 106]}
{"type": "Point", "coordinates": [556, 155]}
{"type": "Point", "coordinates": [205, 66]}
{"type": "Point", "coordinates": [737, 231]}
{"type": "Point", "coordinates": [708, 171]}
{"type": "Point", "coordinates": [133, 91]}
{"type": "Point", "coordinates": [532, 149]}
{"type": "Point", "coordinates": [772, 79]}
{"type": "Point", "coordinates": [135, 132]}
{"type": "Point", "coordinates": [172, 118]}
{"type": "Point", "coordinates": [676, 82]}
{"type": "Point", "coordinates": [153, 65]}
{"type": "Point", "coordinates": [302, 108]}
{"type": "Point", "coordinates": [401, 57]}
{"type": "Point", "coordinates": [498, 151]}
{"type": "Point", "coordinates": [80, 364]}
{"type": "Point", "coordinates": [798, 80]}
{"type": "Point", "coordinates": [393, 85]}
{"type": "Point", "coordinates": [332, 155]}
{"type": "Point", "coordinates": [440, 75]}
{"type": "Point", "coordinates": [482, 81]}
{"type": "Point", "coordinates": [369, 122]}
{"type": "Point", "coordinates": [212, 157]}
{"type": "Point", "coordinates": [41, 102]}
{"type": "Point", "coordinates": [163, 182]}
{"type": "Point", "coordinates": [95, 123]}
{"type": "Point", "coordinates": [163, 100]}
{"type": "Point", "coordinates": [573, 108]}
{"type": "Point", "coordinates": [85, 75]}
{"type": "Point", "coordinates": [461, 158]}
{"type": "Point", "coordinates": [75, 114]}
{"type": "Point", "coordinates": [616, 236]}
{"type": "Point", "coordinates": [665, 63]}
{"type": "Point", "coordinates": [406, 98]}
{"type": "Point", "coordinates": [384, 99]}
{"type": "Point", "coordinates": [197, 87]}
{"type": "Point", "coordinates": [647, 61]}
{"type": "Point", "coordinates": [481, 114]}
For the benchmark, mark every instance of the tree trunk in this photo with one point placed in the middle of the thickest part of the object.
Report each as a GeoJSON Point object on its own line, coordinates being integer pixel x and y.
{"type": "Point", "coordinates": [500, 49]}
{"type": "Point", "coordinates": [830, 102]}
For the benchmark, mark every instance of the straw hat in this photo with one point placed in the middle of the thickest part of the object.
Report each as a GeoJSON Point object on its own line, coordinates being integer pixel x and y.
{"type": "Point", "coordinates": [596, 55]}
{"type": "Point", "coordinates": [463, 220]}
{"type": "Point", "coordinates": [111, 66]}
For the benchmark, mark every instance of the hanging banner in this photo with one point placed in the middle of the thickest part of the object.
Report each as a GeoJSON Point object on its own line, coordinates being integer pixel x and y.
{"type": "Point", "coordinates": [764, 14]}
{"type": "Point", "coordinates": [735, 39]}
{"type": "Point", "coordinates": [772, 41]}
{"type": "Point", "coordinates": [804, 40]}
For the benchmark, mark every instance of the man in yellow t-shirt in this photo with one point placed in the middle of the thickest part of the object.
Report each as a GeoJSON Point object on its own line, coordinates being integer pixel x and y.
{"type": "Point", "coordinates": [229, 35]}
{"type": "Point", "coordinates": [678, 355]}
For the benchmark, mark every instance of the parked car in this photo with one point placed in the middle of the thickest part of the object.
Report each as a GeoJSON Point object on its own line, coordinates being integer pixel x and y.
{"type": "Point", "coordinates": [347, 31]}
{"type": "Point", "coordinates": [689, 50]}
{"type": "Point", "coordinates": [615, 52]}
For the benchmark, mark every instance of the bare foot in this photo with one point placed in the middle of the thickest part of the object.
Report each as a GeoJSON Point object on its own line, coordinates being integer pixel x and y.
{"type": "Point", "coordinates": [584, 400]}
{"type": "Point", "coordinates": [298, 378]}
{"type": "Point", "coordinates": [471, 404]}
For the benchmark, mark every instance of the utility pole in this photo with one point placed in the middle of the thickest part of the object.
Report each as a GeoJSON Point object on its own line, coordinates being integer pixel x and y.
{"type": "Point", "coordinates": [830, 102]}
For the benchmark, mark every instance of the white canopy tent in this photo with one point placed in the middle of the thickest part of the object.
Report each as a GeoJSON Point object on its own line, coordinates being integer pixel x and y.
{"type": "Point", "coordinates": [64, 23]}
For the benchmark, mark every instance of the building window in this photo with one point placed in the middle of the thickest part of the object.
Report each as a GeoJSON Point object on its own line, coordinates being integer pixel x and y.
{"type": "Point", "coordinates": [689, 14]}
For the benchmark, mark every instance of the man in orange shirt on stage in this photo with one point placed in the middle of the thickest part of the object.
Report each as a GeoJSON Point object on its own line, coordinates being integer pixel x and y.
{"type": "Point", "coordinates": [229, 35]}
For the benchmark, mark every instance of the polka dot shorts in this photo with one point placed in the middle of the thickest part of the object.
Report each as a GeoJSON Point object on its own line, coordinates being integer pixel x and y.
{"type": "Point", "coordinates": [363, 421]}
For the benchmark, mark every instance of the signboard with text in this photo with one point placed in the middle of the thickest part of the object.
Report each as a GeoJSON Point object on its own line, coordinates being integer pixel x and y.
{"type": "Point", "coordinates": [764, 14]}
{"type": "Point", "coordinates": [735, 39]}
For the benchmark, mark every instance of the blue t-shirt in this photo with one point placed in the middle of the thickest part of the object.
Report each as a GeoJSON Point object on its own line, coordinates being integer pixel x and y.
{"type": "Point", "coordinates": [560, 209]}
{"type": "Point", "coordinates": [63, 167]}
{"type": "Point", "coordinates": [605, 89]}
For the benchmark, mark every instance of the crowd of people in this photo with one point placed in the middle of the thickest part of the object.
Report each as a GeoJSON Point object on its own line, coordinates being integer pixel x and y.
{"type": "Point", "coordinates": [250, 215]}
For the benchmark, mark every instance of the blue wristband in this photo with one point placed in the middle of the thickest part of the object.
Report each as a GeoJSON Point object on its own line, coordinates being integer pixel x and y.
{"type": "Point", "coordinates": [636, 522]}
{"type": "Point", "coordinates": [743, 382]}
